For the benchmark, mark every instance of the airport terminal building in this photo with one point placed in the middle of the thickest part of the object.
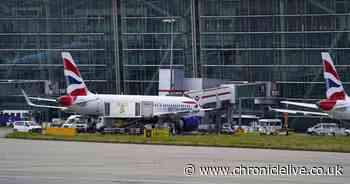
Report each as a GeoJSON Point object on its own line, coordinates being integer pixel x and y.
{"type": "Point", "coordinates": [120, 45]}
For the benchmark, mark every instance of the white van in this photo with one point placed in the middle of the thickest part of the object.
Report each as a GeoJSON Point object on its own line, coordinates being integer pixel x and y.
{"type": "Point", "coordinates": [269, 126]}
{"type": "Point", "coordinates": [327, 129]}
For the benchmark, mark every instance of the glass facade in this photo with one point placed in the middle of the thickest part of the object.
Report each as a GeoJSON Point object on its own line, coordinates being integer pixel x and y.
{"type": "Point", "coordinates": [33, 33]}
{"type": "Point", "coordinates": [119, 45]}
{"type": "Point", "coordinates": [274, 40]}
{"type": "Point", "coordinates": [155, 33]}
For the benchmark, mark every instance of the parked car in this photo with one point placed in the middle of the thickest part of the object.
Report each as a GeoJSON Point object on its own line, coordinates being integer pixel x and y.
{"type": "Point", "coordinates": [26, 126]}
{"type": "Point", "coordinates": [226, 129]}
{"type": "Point", "coordinates": [328, 129]}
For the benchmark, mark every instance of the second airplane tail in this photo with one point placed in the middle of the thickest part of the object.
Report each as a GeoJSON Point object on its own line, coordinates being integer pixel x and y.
{"type": "Point", "coordinates": [75, 83]}
{"type": "Point", "coordinates": [334, 87]}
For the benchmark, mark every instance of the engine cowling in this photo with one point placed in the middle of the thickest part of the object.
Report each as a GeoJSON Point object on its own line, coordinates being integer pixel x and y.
{"type": "Point", "coordinates": [65, 101]}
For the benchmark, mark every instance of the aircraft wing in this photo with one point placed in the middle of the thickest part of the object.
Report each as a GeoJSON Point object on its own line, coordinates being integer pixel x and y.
{"type": "Point", "coordinates": [182, 112]}
{"type": "Point", "coordinates": [299, 112]}
{"type": "Point", "coordinates": [42, 106]}
{"type": "Point", "coordinates": [307, 105]}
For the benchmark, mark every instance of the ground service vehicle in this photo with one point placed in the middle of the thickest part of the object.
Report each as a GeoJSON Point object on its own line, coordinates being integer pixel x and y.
{"type": "Point", "coordinates": [269, 126]}
{"type": "Point", "coordinates": [248, 122]}
{"type": "Point", "coordinates": [77, 122]}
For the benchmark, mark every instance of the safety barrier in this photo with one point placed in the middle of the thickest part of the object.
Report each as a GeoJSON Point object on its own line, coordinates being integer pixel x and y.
{"type": "Point", "coordinates": [60, 131]}
{"type": "Point", "coordinates": [157, 132]}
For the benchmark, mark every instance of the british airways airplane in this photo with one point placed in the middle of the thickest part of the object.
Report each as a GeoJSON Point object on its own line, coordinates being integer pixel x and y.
{"type": "Point", "coordinates": [337, 104]}
{"type": "Point", "coordinates": [80, 100]}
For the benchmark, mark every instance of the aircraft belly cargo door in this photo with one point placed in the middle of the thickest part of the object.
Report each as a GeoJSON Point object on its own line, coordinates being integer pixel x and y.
{"type": "Point", "coordinates": [147, 108]}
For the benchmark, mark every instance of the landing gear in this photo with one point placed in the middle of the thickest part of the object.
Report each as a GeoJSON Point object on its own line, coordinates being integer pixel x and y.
{"type": "Point", "coordinates": [155, 120]}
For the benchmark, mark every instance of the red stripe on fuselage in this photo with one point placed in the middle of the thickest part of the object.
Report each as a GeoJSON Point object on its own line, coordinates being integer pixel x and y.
{"type": "Point", "coordinates": [327, 105]}
{"type": "Point", "coordinates": [67, 101]}
{"type": "Point", "coordinates": [69, 66]}
{"type": "Point", "coordinates": [78, 92]}
{"type": "Point", "coordinates": [329, 68]}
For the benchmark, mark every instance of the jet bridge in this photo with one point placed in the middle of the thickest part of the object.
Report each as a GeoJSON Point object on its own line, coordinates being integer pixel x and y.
{"type": "Point", "coordinates": [221, 98]}
{"type": "Point", "coordinates": [215, 95]}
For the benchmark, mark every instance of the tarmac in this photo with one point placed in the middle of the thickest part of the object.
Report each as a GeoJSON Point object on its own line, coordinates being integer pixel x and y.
{"type": "Point", "coordinates": [32, 162]}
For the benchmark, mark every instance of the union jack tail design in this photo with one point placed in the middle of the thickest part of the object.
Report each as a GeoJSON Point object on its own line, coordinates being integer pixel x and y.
{"type": "Point", "coordinates": [75, 83]}
{"type": "Point", "coordinates": [335, 90]}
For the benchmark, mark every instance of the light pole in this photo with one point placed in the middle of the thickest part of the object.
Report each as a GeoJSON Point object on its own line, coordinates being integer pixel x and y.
{"type": "Point", "coordinates": [171, 21]}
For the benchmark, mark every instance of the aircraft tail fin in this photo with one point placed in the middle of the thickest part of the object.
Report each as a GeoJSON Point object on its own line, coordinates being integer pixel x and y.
{"type": "Point", "coordinates": [334, 87]}
{"type": "Point", "coordinates": [75, 83]}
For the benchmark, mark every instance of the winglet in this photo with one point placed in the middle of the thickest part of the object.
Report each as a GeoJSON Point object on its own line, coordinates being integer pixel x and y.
{"type": "Point", "coordinates": [27, 98]}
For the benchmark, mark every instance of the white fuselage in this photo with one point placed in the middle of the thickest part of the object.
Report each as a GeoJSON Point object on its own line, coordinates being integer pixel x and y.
{"type": "Point", "coordinates": [341, 110]}
{"type": "Point", "coordinates": [95, 104]}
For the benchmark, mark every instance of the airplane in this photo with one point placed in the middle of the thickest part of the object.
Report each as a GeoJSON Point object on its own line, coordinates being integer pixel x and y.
{"type": "Point", "coordinates": [337, 104]}
{"type": "Point", "coordinates": [80, 100]}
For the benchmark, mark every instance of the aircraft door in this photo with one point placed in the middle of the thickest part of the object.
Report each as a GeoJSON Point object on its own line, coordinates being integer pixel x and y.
{"type": "Point", "coordinates": [100, 107]}
{"type": "Point", "coordinates": [137, 109]}
{"type": "Point", "coordinates": [107, 109]}
{"type": "Point", "coordinates": [147, 108]}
